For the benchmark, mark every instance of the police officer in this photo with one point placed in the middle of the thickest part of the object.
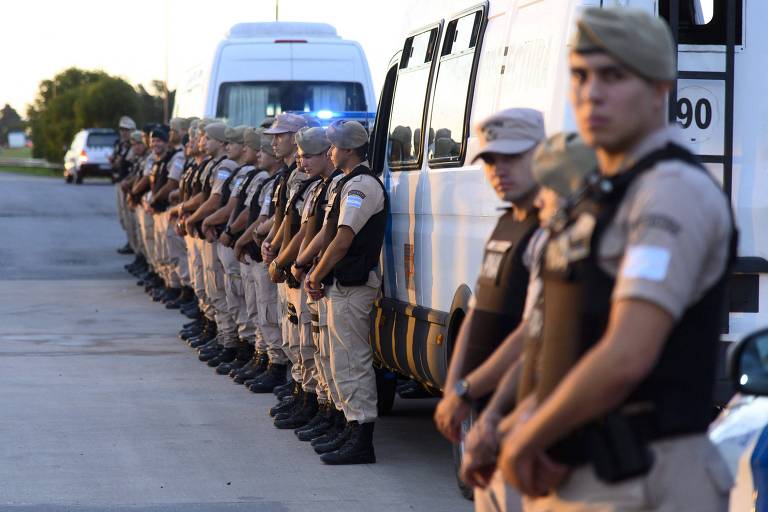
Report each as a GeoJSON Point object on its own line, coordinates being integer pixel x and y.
{"type": "Point", "coordinates": [559, 167]}
{"type": "Point", "coordinates": [137, 155]}
{"type": "Point", "coordinates": [217, 172]}
{"type": "Point", "coordinates": [140, 193]}
{"type": "Point", "coordinates": [633, 287]}
{"type": "Point", "coordinates": [508, 140]}
{"type": "Point", "coordinates": [120, 161]}
{"type": "Point", "coordinates": [354, 230]}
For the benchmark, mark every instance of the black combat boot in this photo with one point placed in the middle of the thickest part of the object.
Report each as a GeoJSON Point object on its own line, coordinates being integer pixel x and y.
{"type": "Point", "coordinates": [319, 425]}
{"type": "Point", "coordinates": [286, 405]}
{"type": "Point", "coordinates": [211, 352]}
{"type": "Point", "coordinates": [357, 449]}
{"type": "Point", "coordinates": [257, 366]}
{"type": "Point", "coordinates": [273, 376]}
{"type": "Point", "coordinates": [244, 356]}
{"type": "Point", "coordinates": [332, 441]}
{"type": "Point", "coordinates": [126, 249]}
{"type": "Point", "coordinates": [225, 355]}
{"type": "Point", "coordinates": [301, 415]}
{"type": "Point", "coordinates": [285, 389]}
{"type": "Point", "coordinates": [170, 295]}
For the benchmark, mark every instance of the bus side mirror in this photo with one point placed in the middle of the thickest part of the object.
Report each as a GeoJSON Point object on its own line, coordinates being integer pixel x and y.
{"type": "Point", "coordinates": [748, 364]}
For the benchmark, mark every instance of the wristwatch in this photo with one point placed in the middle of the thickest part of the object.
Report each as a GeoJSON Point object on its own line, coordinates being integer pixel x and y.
{"type": "Point", "coordinates": [461, 388]}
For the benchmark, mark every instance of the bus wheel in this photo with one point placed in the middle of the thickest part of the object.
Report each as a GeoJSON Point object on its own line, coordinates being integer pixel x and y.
{"type": "Point", "coordinates": [386, 388]}
{"type": "Point", "coordinates": [458, 457]}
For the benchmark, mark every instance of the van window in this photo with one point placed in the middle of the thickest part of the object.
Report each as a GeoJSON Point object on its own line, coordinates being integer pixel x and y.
{"type": "Point", "coordinates": [407, 118]}
{"type": "Point", "coordinates": [448, 122]}
{"type": "Point", "coordinates": [250, 102]}
{"type": "Point", "coordinates": [98, 140]}
{"type": "Point", "coordinates": [703, 21]}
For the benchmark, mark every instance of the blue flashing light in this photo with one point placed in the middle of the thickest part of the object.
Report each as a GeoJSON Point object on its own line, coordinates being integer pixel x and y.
{"type": "Point", "coordinates": [324, 114]}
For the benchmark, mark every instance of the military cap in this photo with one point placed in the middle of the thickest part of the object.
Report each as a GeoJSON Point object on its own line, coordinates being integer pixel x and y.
{"type": "Point", "coordinates": [285, 123]}
{"type": "Point", "coordinates": [126, 123]}
{"type": "Point", "coordinates": [235, 135]}
{"type": "Point", "coordinates": [312, 141]}
{"type": "Point", "coordinates": [216, 131]}
{"type": "Point", "coordinates": [267, 122]}
{"type": "Point", "coordinates": [137, 136]}
{"type": "Point", "coordinates": [638, 40]}
{"type": "Point", "coordinates": [510, 132]}
{"type": "Point", "coordinates": [562, 162]}
{"type": "Point", "coordinates": [179, 124]}
{"type": "Point", "coordinates": [252, 138]}
{"type": "Point", "coordinates": [311, 120]}
{"type": "Point", "coordinates": [202, 123]}
{"type": "Point", "coordinates": [159, 132]}
{"type": "Point", "coordinates": [347, 134]}
{"type": "Point", "coordinates": [194, 126]}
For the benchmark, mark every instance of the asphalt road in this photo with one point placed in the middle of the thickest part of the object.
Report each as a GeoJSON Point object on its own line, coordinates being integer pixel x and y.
{"type": "Point", "coordinates": [102, 408]}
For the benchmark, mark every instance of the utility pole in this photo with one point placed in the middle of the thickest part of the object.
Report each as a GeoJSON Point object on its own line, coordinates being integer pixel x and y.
{"type": "Point", "coordinates": [165, 67]}
{"type": "Point", "coordinates": [277, 10]}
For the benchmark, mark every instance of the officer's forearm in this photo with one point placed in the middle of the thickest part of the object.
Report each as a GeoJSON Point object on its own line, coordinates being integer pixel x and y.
{"type": "Point", "coordinates": [264, 226]}
{"type": "Point", "coordinates": [505, 396]}
{"type": "Point", "coordinates": [313, 248]}
{"type": "Point", "coordinates": [457, 370]}
{"type": "Point", "coordinates": [193, 203]}
{"type": "Point", "coordinates": [221, 215]}
{"type": "Point", "coordinates": [205, 209]}
{"type": "Point", "coordinates": [610, 370]}
{"type": "Point", "coordinates": [165, 190]}
{"type": "Point", "coordinates": [141, 186]}
{"type": "Point", "coordinates": [336, 250]}
{"type": "Point", "coordinates": [288, 254]}
{"type": "Point", "coordinates": [483, 379]}
{"type": "Point", "coordinates": [239, 224]}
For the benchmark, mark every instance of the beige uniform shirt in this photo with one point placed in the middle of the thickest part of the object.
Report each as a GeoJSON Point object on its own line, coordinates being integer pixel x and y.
{"type": "Point", "coordinates": [176, 165]}
{"type": "Point", "coordinates": [254, 185]}
{"type": "Point", "coordinates": [222, 172]}
{"type": "Point", "coordinates": [361, 198]}
{"type": "Point", "coordinates": [668, 243]}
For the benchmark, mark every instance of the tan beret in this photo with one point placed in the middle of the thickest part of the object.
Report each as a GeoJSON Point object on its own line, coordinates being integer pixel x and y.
{"type": "Point", "coordinates": [216, 131]}
{"type": "Point", "coordinates": [562, 162]}
{"type": "Point", "coordinates": [179, 124]}
{"type": "Point", "coordinates": [346, 134]}
{"type": "Point", "coordinates": [638, 40]}
{"type": "Point", "coordinates": [510, 132]}
{"type": "Point", "coordinates": [137, 136]}
{"type": "Point", "coordinates": [285, 123]}
{"type": "Point", "coordinates": [202, 123]}
{"type": "Point", "coordinates": [235, 135]}
{"type": "Point", "coordinates": [193, 126]}
{"type": "Point", "coordinates": [312, 141]}
{"type": "Point", "coordinates": [252, 138]}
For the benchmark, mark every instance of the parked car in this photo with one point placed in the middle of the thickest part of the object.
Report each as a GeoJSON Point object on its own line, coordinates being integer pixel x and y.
{"type": "Point", "coordinates": [741, 430]}
{"type": "Point", "coordinates": [89, 153]}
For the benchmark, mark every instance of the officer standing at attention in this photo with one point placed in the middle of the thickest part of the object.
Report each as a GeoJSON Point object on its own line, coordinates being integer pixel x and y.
{"type": "Point", "coordinates": [137, 155]}
{"type": "Point", "coordinates": [121, 165]}
{"type": "Point", "coordinates": [508, 140]}
{"type": "Point", "coordinates": [634, 291]}
{"type": "Point", "coordinates": [355, 227]}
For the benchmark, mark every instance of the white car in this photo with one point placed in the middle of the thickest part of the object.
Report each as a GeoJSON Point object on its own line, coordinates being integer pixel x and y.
{"type": "Point", "coordinates": [89, 153]}
{"type": "Point", "coordinates": [741, 430]}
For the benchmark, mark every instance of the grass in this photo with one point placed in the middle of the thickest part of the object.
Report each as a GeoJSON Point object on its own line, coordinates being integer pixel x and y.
{"type": "Point", "coordinates": [16, 153]}
{"type": "Point", "coordinates": [34, 171]}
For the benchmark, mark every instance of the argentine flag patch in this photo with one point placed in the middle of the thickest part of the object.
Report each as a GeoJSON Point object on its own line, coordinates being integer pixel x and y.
{"type": "Point", "coordinates": [223, 174]}
{"type": "Point", "coordinates": [354, 201]}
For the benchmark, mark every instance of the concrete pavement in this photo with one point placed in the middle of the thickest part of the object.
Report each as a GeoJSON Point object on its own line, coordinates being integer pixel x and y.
{"type": "Point", "coordinates": [104, 409]}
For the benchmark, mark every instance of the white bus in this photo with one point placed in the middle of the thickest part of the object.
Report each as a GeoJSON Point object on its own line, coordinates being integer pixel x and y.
{"type": "Point", "coordinates": [263, 69]}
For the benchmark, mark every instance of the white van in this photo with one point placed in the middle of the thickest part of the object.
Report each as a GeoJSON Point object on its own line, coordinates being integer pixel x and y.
{"type": "Point", "coordinates": [263, 69]}
{"type": "Point", "coordinates": [501, 54]}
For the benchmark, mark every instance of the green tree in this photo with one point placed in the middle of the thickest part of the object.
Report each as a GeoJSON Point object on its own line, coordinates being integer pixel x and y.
{"type": "Point", "coordinates": [10, 121]}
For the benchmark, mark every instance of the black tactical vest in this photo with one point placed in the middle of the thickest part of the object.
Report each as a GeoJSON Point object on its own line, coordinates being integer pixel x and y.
{"type": "Point", "coordinates": [280, 194]}
{"type": "Point", "coordinates": [292, 214]}
{"type": "Point", "coordinates": [243, 195]}
{"type": "Point", "coordinates": [501, 288]}
{"type": "Point", "coordinates": [363, 255]}
{"type": "Point", "coordinates": [677, 396]}
{"type": "Point", "coordinates": [187, 174]}
{"type": "Point", "coordinates": [196, 183]}
{"type": "Point", "coordinates": [318, 201]}
{"type": "Point", "coordinates": [254, 210]}
{"type": "Point", "coordinates": [226, 191]}
{"type": "Point", "coordinates": [211, 178]}
{"type": "Point", "coordinates": [159, 178]}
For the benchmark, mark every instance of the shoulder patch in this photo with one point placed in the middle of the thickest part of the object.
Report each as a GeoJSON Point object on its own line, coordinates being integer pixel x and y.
{"type": "Point", "coordinates": [223, 174]}
{"type": "Point", "coordinates": [354, 202]}
{"type": "Point", "coordinates": [357, 193]}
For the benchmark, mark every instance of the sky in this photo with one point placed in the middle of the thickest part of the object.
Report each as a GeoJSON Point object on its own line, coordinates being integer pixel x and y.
{"type": "Point", "coordinates": [39, 38]}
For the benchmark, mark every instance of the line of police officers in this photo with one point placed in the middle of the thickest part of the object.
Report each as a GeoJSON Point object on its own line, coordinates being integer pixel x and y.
{"type": "Point", "coordinates": [268, 238]}
{"type": "Point", "coordinates": [589, 351]}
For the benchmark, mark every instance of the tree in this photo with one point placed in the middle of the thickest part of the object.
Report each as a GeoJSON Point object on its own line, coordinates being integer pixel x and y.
{"type": "Point", "coordinates": [75, 99]}
{"type": "Point", "coordinates": [10, 121]}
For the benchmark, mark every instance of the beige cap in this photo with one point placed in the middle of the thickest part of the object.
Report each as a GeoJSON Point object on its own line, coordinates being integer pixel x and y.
{"type": "Point", "coordinates": [347, 134]}
{"type": "Point", "coordinates": [562, 162]}
{"type": "Point", "coordinates": [638, 40]}
{"type": "Point", "coordinates": [217, 131]}
{"type": "Point", "coordinates": [267, 122]}
{"type": "Point", "coordinates": [252, 138]}
{"type": "Point", "coordinates": [235, 135]}
{"type": "Point", "coordinates": [510, 132]}
{"type": "Point", "coordinates": [193, 126]}
{"type": "Point", "coordinates": [137, 136]}
{"type": "Point", "coordinates": [179, 124]}
{"type": "Point", "coordinates": [266, 144]}
{"type": "Point", "coordinates": [311, 120]}
{"type": "Point", "coordinates": [312, 141]}
{"type": "Point", "coordinates": [202, 123]}
{"type": "Point", "coordinates": [285, 123]}
{"type": "Point", "coordinates": [126, 123]}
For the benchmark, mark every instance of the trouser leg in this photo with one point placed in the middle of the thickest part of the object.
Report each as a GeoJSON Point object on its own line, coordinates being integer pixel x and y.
{"type": "Point", "coordinates": [214, 290]}
{"type": "Point", "coordinates": [324, 352]}
{"type": "Point", "coordinates": [291, 341]}
{"type": "Point", "coordinates": [233, 288]}
{"type": "Point", "coordinates": [250, 332]}
{"type": "Point", "coordinates": [349, 309]}
{"type": "Point", "coordinates": [148, 237]}
{"type": "Point", "coordinates": [321, 384]}
{"type": "Point", "coordinates": [268, 314]}
{"type": "Point", "coordinates": [307, 348]}
{"type": "Point", "coordinates": [177, 257]}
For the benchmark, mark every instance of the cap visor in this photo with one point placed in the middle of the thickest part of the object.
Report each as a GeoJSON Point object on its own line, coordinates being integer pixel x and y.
{"type": "Point", "coordinates": [506, 147]}
{"type": "Point", "coordinates": [275, 131]}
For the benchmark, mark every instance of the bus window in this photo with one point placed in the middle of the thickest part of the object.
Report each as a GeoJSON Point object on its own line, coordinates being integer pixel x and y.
{"type": "Point", "coordinates": [407, 118]}
{"type": "Point", "coordinates": [450, 102]}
